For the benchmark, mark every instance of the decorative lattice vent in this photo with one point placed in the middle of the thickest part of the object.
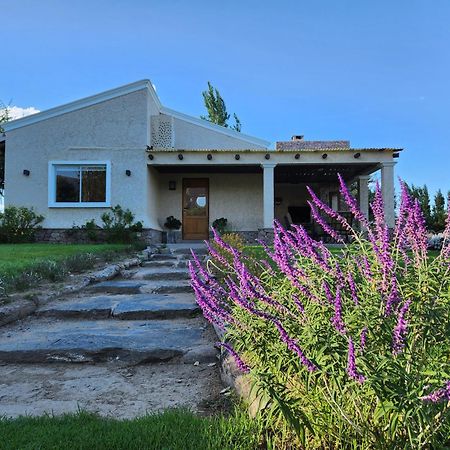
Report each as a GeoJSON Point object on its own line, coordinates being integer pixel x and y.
{"type": "Point", "coordinates": [162, 135]}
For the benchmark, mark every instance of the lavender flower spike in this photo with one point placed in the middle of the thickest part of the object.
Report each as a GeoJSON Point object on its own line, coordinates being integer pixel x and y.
{"type": "Point", "coordinates": [351, 363]}
{"type": "Point", "coordinates": [398, 340]}
{"type": "Point", "coordinates": [241, 364]}
{"type": "Point", "coordinates": [440, 395]}
{"type": "Point", "coordinates": [363, 339]}
{"type": "Point", "coordinates": [337, 318]}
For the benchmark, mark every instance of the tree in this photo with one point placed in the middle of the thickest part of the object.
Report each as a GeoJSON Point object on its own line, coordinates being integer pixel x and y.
{"type": "Point", "coordinates": [217, 110]}
{"type": "Point", "coordinates": [4, 117]}
{"type": "Point", "coordinates": [422, 195]}
{"type": "Point", "coordinates": [439, 213]}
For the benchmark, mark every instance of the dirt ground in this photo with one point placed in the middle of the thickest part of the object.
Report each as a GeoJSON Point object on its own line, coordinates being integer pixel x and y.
{"type": "Point", "coordinates": [111, 391]}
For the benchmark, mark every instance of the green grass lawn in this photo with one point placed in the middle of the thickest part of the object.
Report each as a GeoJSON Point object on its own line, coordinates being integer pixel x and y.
{"type": "Point", "coordinates": [19, 257]}
{"type": "Point", "coordinates": [171, 430]}
{"type": "Point", "coordinates": [258, 252]}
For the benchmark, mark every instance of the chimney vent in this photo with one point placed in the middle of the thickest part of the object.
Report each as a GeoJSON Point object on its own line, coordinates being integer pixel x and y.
{"type": "Point", "coordinates": [297, 137]}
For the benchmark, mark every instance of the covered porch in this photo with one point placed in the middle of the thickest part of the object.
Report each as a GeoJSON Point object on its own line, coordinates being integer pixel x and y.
{"type": "Point", "coordinates": [252, 188]}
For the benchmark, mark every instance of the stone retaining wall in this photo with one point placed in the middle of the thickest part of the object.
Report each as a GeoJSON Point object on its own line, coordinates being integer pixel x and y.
{"type": "Point", "coordinates": [80, 236]}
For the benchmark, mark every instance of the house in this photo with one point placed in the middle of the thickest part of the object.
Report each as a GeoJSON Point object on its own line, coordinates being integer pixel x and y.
{"type": "Point", "coordinates": [122, 146]}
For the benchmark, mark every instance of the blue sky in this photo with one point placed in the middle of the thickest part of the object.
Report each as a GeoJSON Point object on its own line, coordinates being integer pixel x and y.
{"type": "Point", "coordinates": [374, 72]}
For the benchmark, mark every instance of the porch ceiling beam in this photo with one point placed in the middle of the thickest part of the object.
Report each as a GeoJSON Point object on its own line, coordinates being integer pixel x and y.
{"type": "Point", "coordinates": [198, 157]}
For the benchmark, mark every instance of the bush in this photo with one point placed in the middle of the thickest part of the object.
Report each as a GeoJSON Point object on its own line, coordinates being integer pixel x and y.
{"type": "Point", "coordinates": [172, 223]}
{"type": "Point", "coordinates": [50, 270]}
{"type": "Point", "coordinates": [120, 226]}
{"type": "Point", "coordinates": [80, 262]}
{"type": "Point", "coordinates": [220, 225]}
{"type": "Point", "coordinates": [222, 258]}
{"type": "Point", "coordinates": [92, 229]}
{"type": "Point", "coordinates": [18, 224]}
{"type": "Point", "coordinates": [347, 350]}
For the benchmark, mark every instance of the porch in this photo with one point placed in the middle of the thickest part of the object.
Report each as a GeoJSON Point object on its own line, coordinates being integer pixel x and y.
{"type": "Point", "coordinates": [250, 189]}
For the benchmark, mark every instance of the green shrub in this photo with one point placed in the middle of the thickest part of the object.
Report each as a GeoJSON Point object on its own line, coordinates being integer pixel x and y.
{"type": "Point", "coordinates": [19, 224]}
{"type": "Point", "coordinates": [347, 350]}
{"type": "Point", "coordinates": [22, 281]}
{"type": "Point", "coordinates": [79, 263]}
{"type": "Point", "coordinates": [172, 223]}
{"type": "Point", "coordinates": [120, 226]}
{"type": "Point", "coordinates": [92, 229]}
{"type": "Point", "coordinates": [220, 225]}
{"type": "Point", "coordinates": [50, 270]}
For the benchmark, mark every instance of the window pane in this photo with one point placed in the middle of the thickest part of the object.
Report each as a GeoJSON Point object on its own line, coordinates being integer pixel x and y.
{"type": "Point", "coordinates": [67, 184]}
{"type": "Point", "coordinates": [195, 201]}
{"type": "Point", "coordinates": [93, 184]}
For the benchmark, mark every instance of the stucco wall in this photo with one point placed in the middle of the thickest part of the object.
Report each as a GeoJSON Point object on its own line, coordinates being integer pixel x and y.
{"type": "Point", "coordinates": [115, 130]}
{"type": "Point", "coordinates": [237, 197]}
{"type": "Point", "coordinates": [190, 136]}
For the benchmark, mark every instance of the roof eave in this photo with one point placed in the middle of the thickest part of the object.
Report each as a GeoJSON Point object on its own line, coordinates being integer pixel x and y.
{"type": "Point", "coordinates": [83, 103]}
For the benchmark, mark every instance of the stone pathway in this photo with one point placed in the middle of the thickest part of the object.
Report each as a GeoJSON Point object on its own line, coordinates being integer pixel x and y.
{"type": "Point", "coordinates": [139, 342]}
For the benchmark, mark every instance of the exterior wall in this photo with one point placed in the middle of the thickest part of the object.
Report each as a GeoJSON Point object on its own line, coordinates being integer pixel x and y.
{"type": "Point", "coordinates": [115, 130]}
{"type": "Point", "coordinates": [190, 136]}
{"type": "Point", "coordinates": [237, 197]}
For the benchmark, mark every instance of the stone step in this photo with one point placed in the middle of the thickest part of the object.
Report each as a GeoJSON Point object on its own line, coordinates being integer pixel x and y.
{"type": "Point", "coordinates": [166, 287]}
{"type": "Point", "coordinates": [117, 287]}
{"type": "Point", "coordinates": [187, 251]}
{"type": "Point", "coordinates": [134, 307]}
{"type": "Point", "coordinates": [160, 263]}
{"type": "Point", "coordinates": [132, 342]}
{"type": "Point", "coordinates": [163, 257]}
{"type": "Point", "coordinates": [161, 273]}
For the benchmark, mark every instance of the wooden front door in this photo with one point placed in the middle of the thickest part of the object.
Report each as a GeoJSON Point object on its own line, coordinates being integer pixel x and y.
{"type": "Point", "coordinates": [195, 208]}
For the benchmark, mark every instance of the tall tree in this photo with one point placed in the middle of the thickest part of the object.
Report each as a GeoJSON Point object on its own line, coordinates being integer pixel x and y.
{"type": "Point", "coordinates": [217, 110]}
{"type": "Point", "coordinates": [4, 117]}
{"type": "Point", "coordinates": [439, 213]}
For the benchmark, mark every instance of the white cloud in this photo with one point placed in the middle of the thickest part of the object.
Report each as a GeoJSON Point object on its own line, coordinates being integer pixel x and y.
{"type": "Point", "coordinates": [16, 112]}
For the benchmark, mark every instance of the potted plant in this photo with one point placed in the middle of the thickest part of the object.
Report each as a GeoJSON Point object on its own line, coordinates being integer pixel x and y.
{"type": "Point", "coordinates": [172, 224]}
{"type": "Point", "coordinates": [220, 225]}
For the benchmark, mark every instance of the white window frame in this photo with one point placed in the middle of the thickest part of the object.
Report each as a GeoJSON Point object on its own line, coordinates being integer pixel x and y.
{"type": "Point", "coordinates": [52, 203]}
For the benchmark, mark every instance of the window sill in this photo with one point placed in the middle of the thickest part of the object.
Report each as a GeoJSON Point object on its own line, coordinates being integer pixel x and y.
{"type": "Point", "coordinates": [79, 205]}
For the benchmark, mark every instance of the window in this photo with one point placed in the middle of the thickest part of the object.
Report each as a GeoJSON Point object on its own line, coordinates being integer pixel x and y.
{"type": "Point", "coordinates": [79, 184]}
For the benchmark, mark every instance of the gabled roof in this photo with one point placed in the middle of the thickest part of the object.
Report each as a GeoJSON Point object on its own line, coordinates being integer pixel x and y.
{"type": "Point", "coordinates": [212, 126]}
{"type": "Point", "coordinates": [82, 103]}
{"type": "Point", "coordinates": [123, 90]}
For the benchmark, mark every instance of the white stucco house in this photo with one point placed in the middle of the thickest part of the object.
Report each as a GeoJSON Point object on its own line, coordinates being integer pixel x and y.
{"type": "Point", "coordinates": [122, 146]}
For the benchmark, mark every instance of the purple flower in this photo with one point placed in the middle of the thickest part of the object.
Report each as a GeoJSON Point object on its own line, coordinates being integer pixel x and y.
{"type": "Point", "coordinates": [440, 395]}
{"type": "Point", "coordinates": [298, 304]}
{"type": "Point", "coordinates": [352, 285]}
{"type": "Point", "coordinates": [400, 330]}
{"type": "Point", "coordinates": [292, 345]}
{"type": "Point", "coordinates": [329, 296]}
{"type": "Point", "coordinates": [352, 204]}
{"type": "Point", "coordinates": [351, 363]}
{"type": "Point", "coordinates": [393, 298]}
{"type": "Point", "coordinates": [363, 339]}
{"type": "Point", "coordinates": [326, 227]}
{"type": "Point", "coordinates": [337, 318]}
{"type": "Point", "coordinates": [241, 364]}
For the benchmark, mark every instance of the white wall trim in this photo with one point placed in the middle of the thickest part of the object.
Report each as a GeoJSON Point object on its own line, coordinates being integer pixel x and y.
{"type": "Point", "coordinates": [52, 184]}
{"type": "Point", "coordinates": [83, 103]}
{"type": "Point", "coordinates": [217, 128]}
